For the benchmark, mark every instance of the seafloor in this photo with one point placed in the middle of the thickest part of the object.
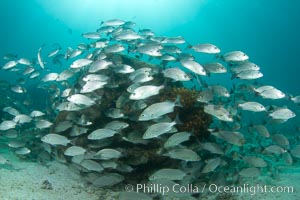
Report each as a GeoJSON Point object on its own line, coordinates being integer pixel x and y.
{"type": "Point", "coordinates": [26, 180]}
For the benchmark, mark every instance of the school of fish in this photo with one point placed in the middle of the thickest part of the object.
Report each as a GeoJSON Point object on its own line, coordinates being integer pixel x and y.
{"type": "Point", "coordinates": [253, 129]}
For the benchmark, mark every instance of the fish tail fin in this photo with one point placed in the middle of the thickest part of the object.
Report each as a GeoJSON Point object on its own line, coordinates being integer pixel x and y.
{"type": "Point", "coordinates": [177, 120]}
{"type": "Point", "coordinates": [177, 101]}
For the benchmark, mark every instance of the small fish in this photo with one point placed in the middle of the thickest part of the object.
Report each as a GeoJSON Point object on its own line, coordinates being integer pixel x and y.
{"type": "Point", "coordinates": [169, 174]}
{"type": "Point", "coordinates": [295, 99]}
{"type": "Point", "coordinates": [50, 77]}
{"type": "Point", "coordinates": [80, 63]}
{"type": "Point", "coordinates": [193, 66]}
{"type": "Point", "coordinates": [10, 64]}
{"type": "Point", "coordinates": [23, 151]}
{"type": "Point", "coordinates": [211, 165]}
{"type": "Point", "coordinates": [55, 139]}
{"type": "Point", "coordinates": [114, 48]}
{"type": "Point", "coordinates": [145, 91]}
{"type": "Point", "coordinates": [282, 114]}
{"type": "Point", "coordinates": [91, 35]}
{"type": "Point", "coordinates": [281, 140]}
{"type": "Point", "coordinates": [219, 90]}
{"type": "Point", "coordinates": [74, 151]}
{"type": "Point", "coordinates": [252, 106]}
{"type": "Point", "coordinates": [274, 149]}
{"type": "Point", "coordinates": [24, 61]}
{"type": "Point", "coordinates": [184, 154]}
{"type": "Point", "coordinates": [176, 74]}
{"type": "Point", "coordinates": [255, 161]}
{"type": "Point", "coordinates": [269, 92]}
{"type": "Point", "coordinates": [124, 69]}
{"type": "Point", "coordinates": [101, 134]}
{"type": "Point", "coordinates": [206, 48]}
{"type": "Point", "coordinates": [235, 56]}
{"type": "Point", "coordinates": [215, 68]}
{"type": "Point", "coordinates": [65, 75]}
{"type": "Point", "coordinates": [262, 130]}
{"type": "Point", "coordinates": [108, 179]}
{"type": "Point", "coordinates": [91, 165]}
{"type": "Point", "coordinates": [91, 86]}
{"type": "Point", "coordinates": [107, 154]}
{"type": "Point", "coordinates": [7, 124]}
{"type": "Point", "coordinates": [11, 111]}
{"type": "Point", "coordinates": [99, 65]}
{"type": "Point", "coordinates": [245, 66]}
{"type": "Point", "coordinates": [21, 119]}
{"type": "Point", "coordinates": [249, 75]}
{"type": "Point", "coordinates": [176, 139]}
{"type": "Point", "coordinates": [158, 129]}
{"type": "Point", "coordinates": [40, 61]}
{"type": "Point", "coordinates": [113, 22]}
{"type": "Point", "coordinates": [296, 151]}
{"type": "Point", "coordinates": [116, 125]}
{"type": "Point", "coordinates": [157, 110]}
{"type": "Point", "coordinates": [250, 172]}
{"type": "Point", "coordinates": [212, 148]}
{"type": "Point", "coordinates": [42, 124]}
{"type": "Point", "coordinates": [219, 112]}
{"type": "Point", "coordinates": [114, 113]}
{"type": "Point", "coordinates": [81, 100]}
{"type": "Point", "coordinates": [232, 137]}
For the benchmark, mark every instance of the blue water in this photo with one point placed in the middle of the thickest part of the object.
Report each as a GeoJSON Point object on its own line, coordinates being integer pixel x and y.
{"type": "Point", "coordinates": [266, 30]}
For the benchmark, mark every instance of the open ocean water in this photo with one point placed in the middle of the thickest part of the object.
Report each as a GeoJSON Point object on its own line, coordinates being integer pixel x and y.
{"type": "Point", "coordinates": [137, 121]}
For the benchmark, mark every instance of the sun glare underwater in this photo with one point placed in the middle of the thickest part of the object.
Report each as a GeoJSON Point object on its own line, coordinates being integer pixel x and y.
{"type": "Point", "coordinates": [160, 92]}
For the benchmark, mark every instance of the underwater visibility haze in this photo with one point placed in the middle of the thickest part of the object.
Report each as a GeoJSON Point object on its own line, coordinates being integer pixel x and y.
{"type": "Point", "coordinates": [154, 92]}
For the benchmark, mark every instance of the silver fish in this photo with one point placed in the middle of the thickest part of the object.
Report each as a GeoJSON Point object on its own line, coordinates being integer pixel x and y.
{"type": "Point", "coordinates": [50, 77]}
{"type": "Point", "coordinates": [184, 154]}
{"type": "Point", "coordinates": [235, 56]}
{"type": "Point", "coordinates": [99, 65]}
{"type": "Point", "coordinates": [109, 179]}
{"type": "Point", "coordinates": [11, 111]}
{"type": "Point", "coordinates": [91, 35]}
{"type": "Point", "coordinates": [41, 124]}
{"type": "Point", "coordinates": [114, 48]}
{"type": "Point", "coordinates": [169, 174]}
{"type": "Point", "coordinates": [157, 110]}
{"type": "Point", "coordinates": [107, 154]}
{"type": "Point", "coordinates": [91, 86]}
{"type": "Point", "coordinates": [81, 100]}
{"type": "Point", "coordinates": [145, 91]}
{"type": "Point", "coordinates": [74, 151]}
{"type": "Point", "coordinates": [10, 64]}
{"type": "Point", "coordinates": [55, 139]}
{"type": "Point", "coordinates": [206, 48]}
{"type": "Point", "coordinates": [21, 119]}
{"type": "Point", "coordinates": [255, 161]}
{"type": "Point", "coordinates": [80, 63]}
{"type": "Point", "coordinates": [232, 137]}
{"type": "Point", "coordinates": [176, 139]}
{"type": "Point", "coordinates": [101, 134]}
{"type": "Point", "coordinates": [282, 114]}
{"type": "Point", "coordinates": [219, 112]}
{"type": "Point", "coordinates": [112, 22]}
{"type": "Point", "coordinates": [249, 75]}
{"type": "Point", "coordinates": [116, 125]}
{"type": "Point", "coordinates": [252, 106]}
{"type": "Point", "coordinates": [176, 74]}
{"type": "Point", "coordinates": [158, 129]}
{"type": "Point", "coordinates": [250, 172]}
{"type": "Point", "coordinates": [193, 66]}
{"type": "Point", "coordinates": [211, 165]}
{"type": "Point", "coordinates": [215, 67]}
{"type": "Point", "coordinates": [7, 124]}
